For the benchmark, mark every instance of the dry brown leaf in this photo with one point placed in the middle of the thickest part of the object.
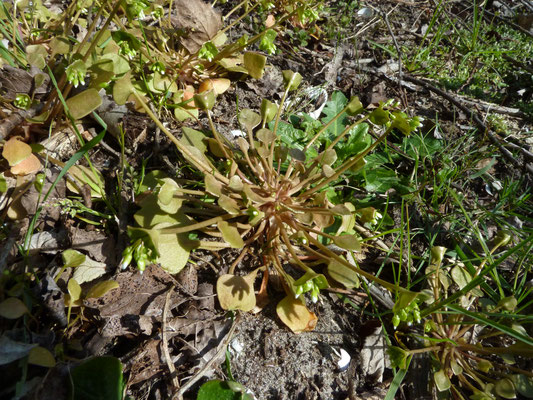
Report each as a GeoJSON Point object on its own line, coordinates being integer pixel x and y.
{"type": "Point", "coordinates": [199, 21]}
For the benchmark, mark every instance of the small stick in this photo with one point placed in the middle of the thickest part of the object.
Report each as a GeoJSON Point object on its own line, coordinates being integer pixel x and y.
{"type": "Point", "coordinates": [203, 370]}
{"type": "Point", "coordinates": [164, 342]}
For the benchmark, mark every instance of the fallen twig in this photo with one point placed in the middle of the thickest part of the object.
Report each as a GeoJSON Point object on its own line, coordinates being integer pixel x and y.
{"type": "Point", "coordinates": [179, 394]}
{"type": "Point", "coordinates": [164, 342]}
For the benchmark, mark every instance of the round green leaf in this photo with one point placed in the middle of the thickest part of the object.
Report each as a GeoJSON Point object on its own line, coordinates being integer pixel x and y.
{"type": "Point", "coordinates": [217, 390]}
{"type": "Point", "coordinates": [84, 103]}
{"type": "Point", "coordinates": [98, 378]}
{"type": "Point", "coordinates": [12, 308]}
{"type": "Point", "coordinates": [505, 388]}
{"type": "Point", "coordinates": [41, 357]}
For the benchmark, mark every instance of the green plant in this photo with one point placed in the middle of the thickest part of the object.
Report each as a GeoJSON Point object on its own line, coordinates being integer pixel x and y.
{"type": "Point", "coordinates": [465, 357]}
{"type": "Point", "coordinates": [268, 195]}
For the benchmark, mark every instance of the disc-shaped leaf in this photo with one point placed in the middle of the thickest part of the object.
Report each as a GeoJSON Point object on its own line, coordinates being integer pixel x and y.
{"type": "Point", "coordinates": [15, 151]}
{"type": "Point", "coordinates": [12, 308]}
{"type": "Point", "coordinates": [342, 274]}
{"type": "Point", "coordinates": [236, 292]}
{"type": "Point", "coordinates": [230, 234]}
{"type": "Point", "coordinates": [328, 157]}
{"type": "Point", "coordinates": [27, 166]}
{"type": "Point", "coordinates": [235, 183]}
{"type": "Point", "coordinates": [327, 171]}
{"type": "Point", "coordinates": [523, 385]}
{"type": "Point", "coordinates": [505, 388]}
{"type": "Point", "coordinates": [228, 204]}
{"type": "Point", "coordinates": [254, 64]}
{"type": "Point", "coordinates": [249, 119]}
{"type": "Point", "coordinates": [266, 135]}
{"type": "Point", "coordinates": [295, 315]}
{"type": "Point", "coordinates": [217, 390]}
{"type": "Point", "coordinates": [460, 276]}
{"type": "Point", "coordinates": [122, 89]}
{"type": "Point", "coordinates": [441, 380]}
{"type": "Point", "coordinates": [88, 271]}
{"type": "Point", "coordinates": [348, 242]}
{"type": "Point", "coordinates": [41, 357]}
{"type": "Point", "coordinates": [212, 185]}
{"type": "Point", "coordinates": [84, 103]}
{"type": "Point", "coordinates": [97, 378]}
{"type": "Point", "coordinates": [341, 209]}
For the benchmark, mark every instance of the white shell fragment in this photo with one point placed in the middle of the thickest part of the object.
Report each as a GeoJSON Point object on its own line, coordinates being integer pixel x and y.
{"type": "Point", "coordinates": [345, 359]}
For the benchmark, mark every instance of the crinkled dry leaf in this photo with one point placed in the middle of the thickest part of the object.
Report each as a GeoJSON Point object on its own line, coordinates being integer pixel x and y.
{"type": "Point", "coordinates": [295, 315]}
{"type": "Point", "coordinates": [199, 21]}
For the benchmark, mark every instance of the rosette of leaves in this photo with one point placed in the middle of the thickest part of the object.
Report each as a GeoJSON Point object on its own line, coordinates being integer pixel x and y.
{"type": "Point", "coordinates": [261, 196]}
{"type": "Point", "coordinates": [461, 342]}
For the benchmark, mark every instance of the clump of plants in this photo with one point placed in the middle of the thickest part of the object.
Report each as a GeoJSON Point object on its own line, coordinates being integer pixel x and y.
{"type": "Point", "coordinates": [267, 198]}
{"type": "Point", "coordinates": [466, 324]}
{"type": "Point", "coordinates": [169, 56]}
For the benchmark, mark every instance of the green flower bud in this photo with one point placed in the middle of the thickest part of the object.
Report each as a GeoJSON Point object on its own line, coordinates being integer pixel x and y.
{"type": "Point", "coordinates": [76, 73]}
{"type": "Point", "coordinates": [403, 315]}
{"type": "Point", "coordinates": [395, 321]}
{"type": "Point", "coordinates": [437, 254]}
{"type": "Point", "coordinates": [39, 182]}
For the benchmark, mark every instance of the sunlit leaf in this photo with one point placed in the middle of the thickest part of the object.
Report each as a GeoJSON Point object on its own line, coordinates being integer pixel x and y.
{"type": "Point", "coordinates": [249, 119]}
{"type": "Point", "coordinates": [254, 64]}
{"type": "Point", "coordinates": [228, 204]}
{"type": "Point", "coordinates": [84, 103]}
{"type": "Point", "coordinates": [230, 234]}
{"type": "Point", "coordinates": [295, 315]}
{"type": "Point", "coordinates": [237, 292]}
{"type": "Point", "coordinates": [212, 185]}
{"type": "Point", "coordinates": [342, 274]}
{"type": "Point", "coordinates": [27, 166]}
{"type": "Point", "coordinates": [15, 151]}
{"type": "Point", "coordinates": [460, 276]}
{"type": "Point", "coordinates": [101, 288]}
{"type": "Point", "coordinates": [441, 380]}
{"type": "Point", "coordinates": [348, 242]}
{"type": "Point", "coordinates": [74, 290]}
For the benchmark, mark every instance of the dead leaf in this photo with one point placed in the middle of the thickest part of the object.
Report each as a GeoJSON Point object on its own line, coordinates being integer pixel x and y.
{"type": "Point", "coordinates": [199, 21]}
{"type": "Point", "coordinates": [373, 352]}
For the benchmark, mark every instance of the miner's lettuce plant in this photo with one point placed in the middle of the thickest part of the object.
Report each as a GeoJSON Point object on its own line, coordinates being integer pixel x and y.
{"type": "Point", "coordinates": [266, 197]}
